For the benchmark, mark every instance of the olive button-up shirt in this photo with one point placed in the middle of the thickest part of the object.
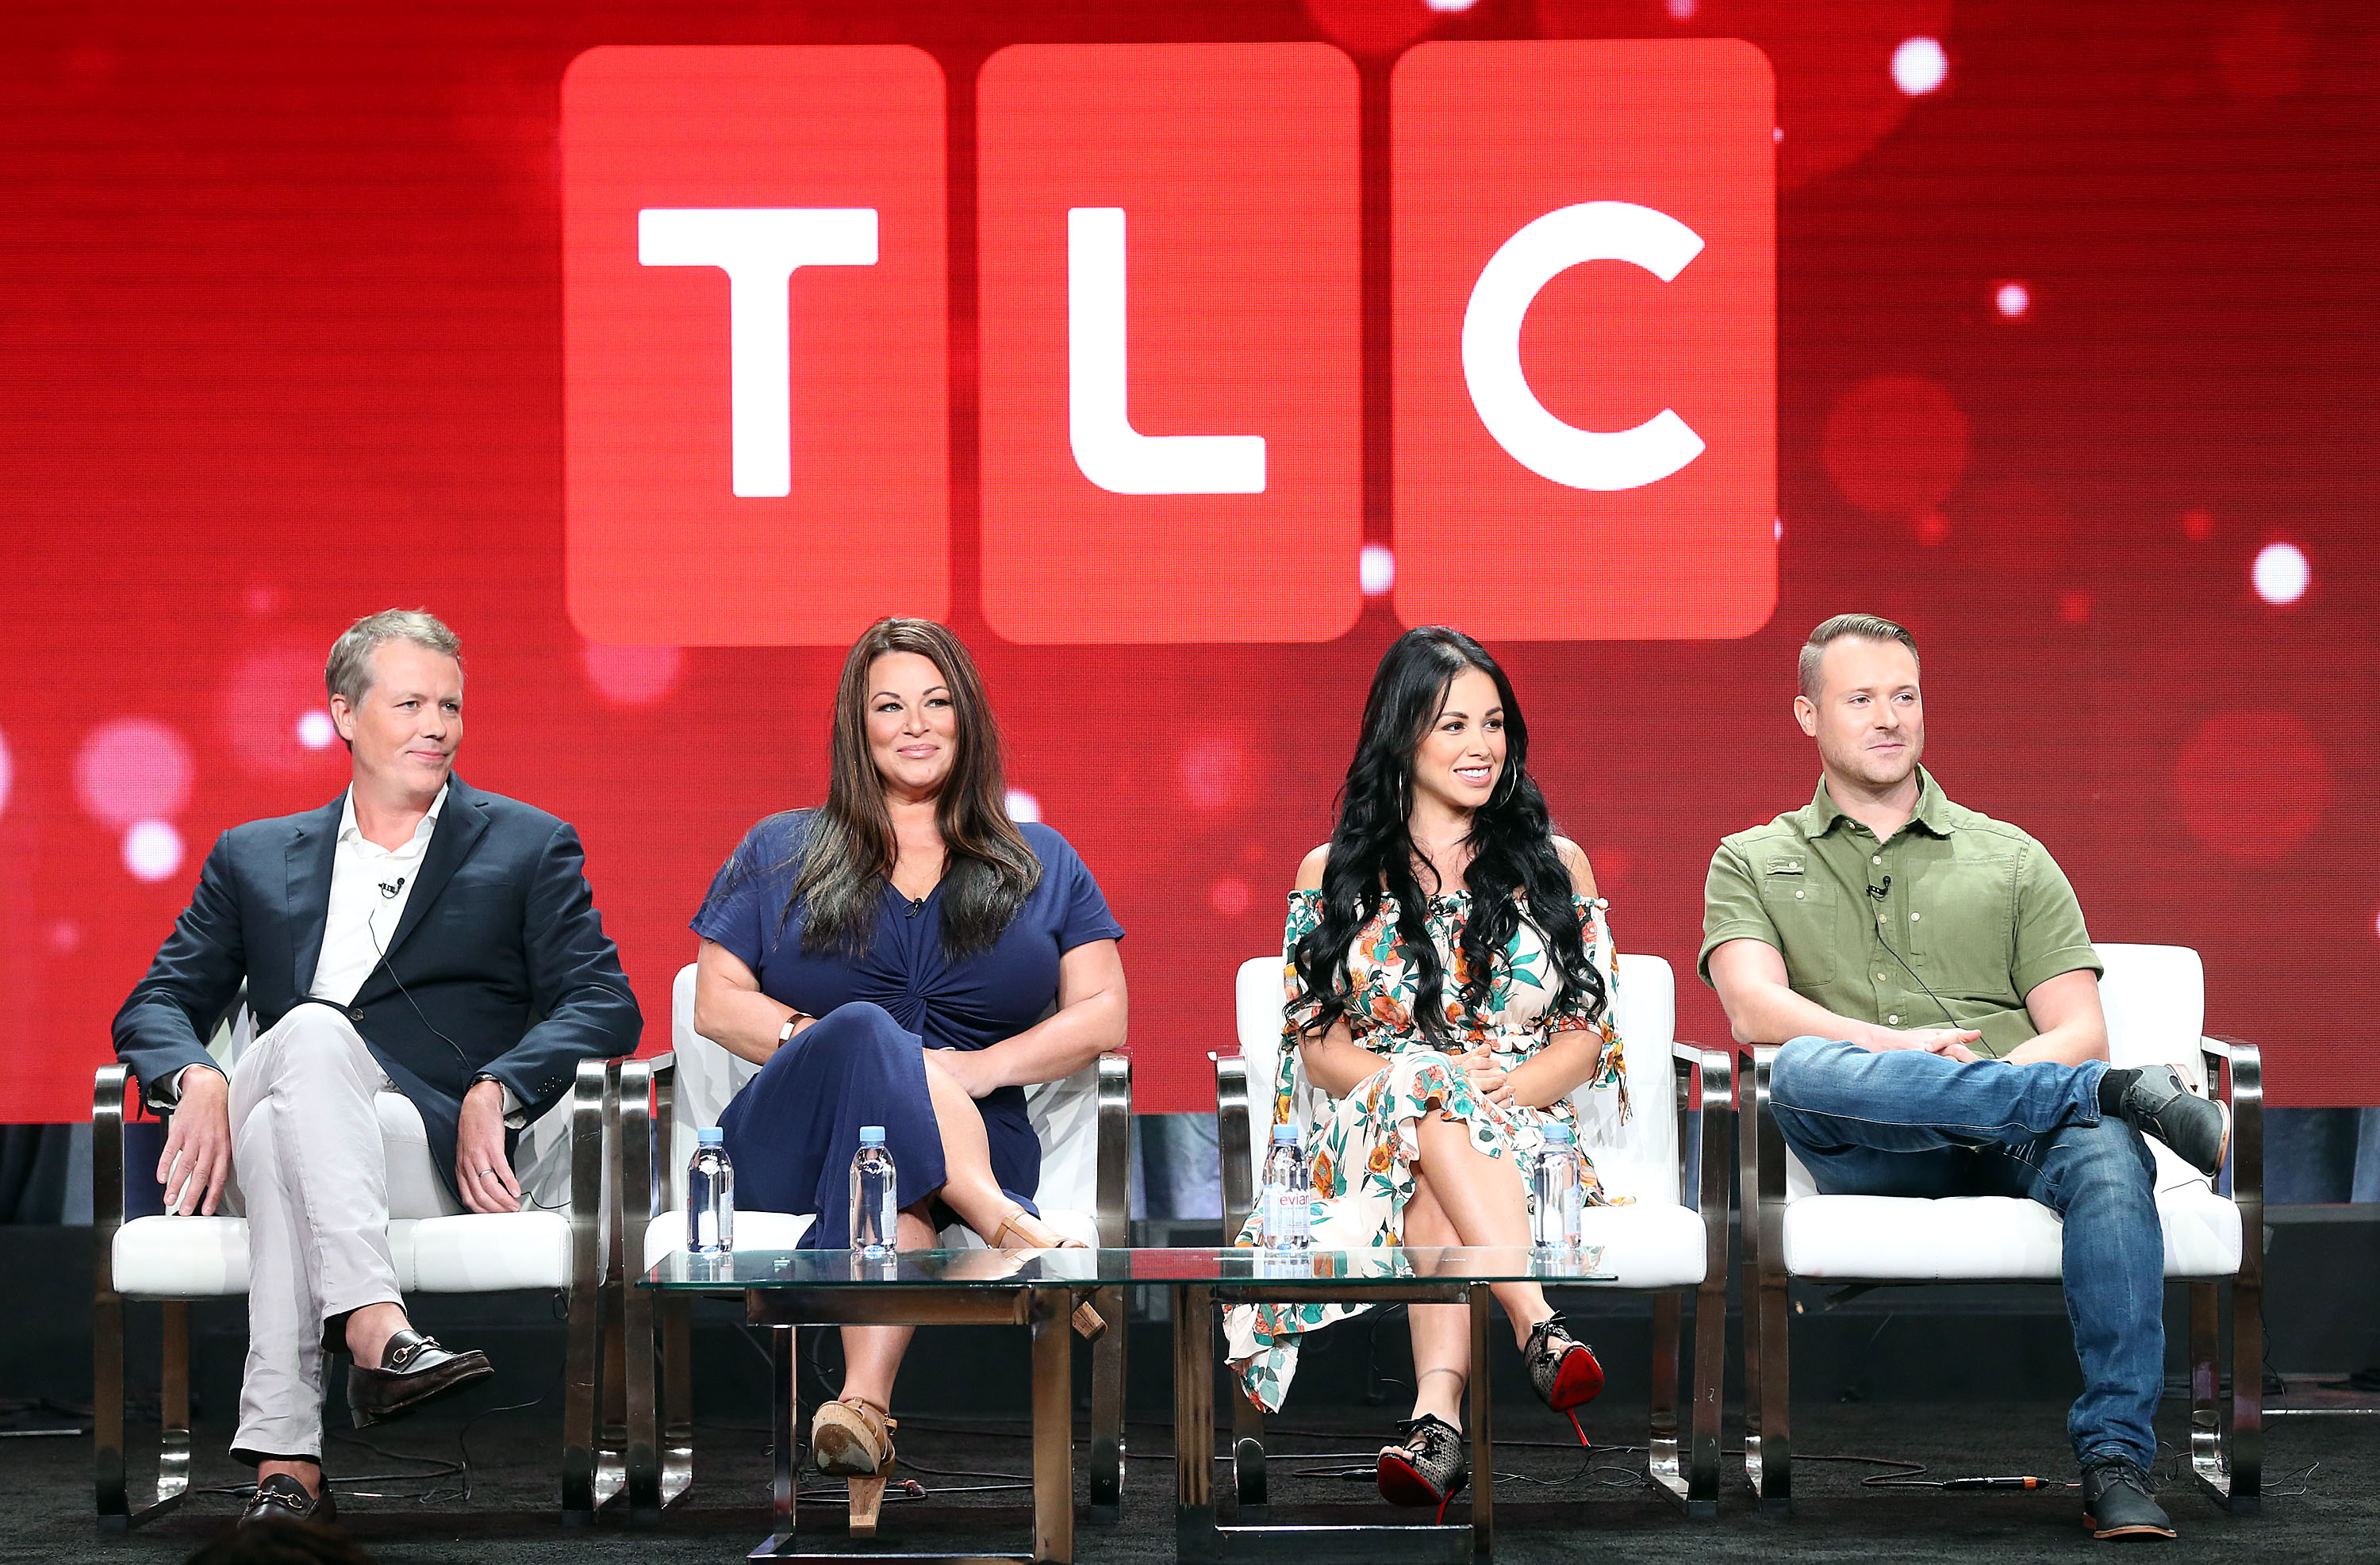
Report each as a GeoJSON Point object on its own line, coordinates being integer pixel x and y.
{"type": "Point", "coordinates": [1951, 923]}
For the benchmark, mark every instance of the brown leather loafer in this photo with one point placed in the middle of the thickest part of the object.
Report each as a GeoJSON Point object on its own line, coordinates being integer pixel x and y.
{"type": "Point", "coordinates": [282, 1499]}
{"type": "Point", "coordinates": [413, 1369]}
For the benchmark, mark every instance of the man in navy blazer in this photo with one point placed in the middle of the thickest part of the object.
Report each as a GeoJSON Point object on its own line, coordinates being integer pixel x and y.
{"type": "Point", "coordinates": [416, 948]}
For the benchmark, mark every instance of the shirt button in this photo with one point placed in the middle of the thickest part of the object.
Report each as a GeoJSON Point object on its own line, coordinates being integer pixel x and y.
{"type": "Point", "coordinates": [1893, 1020]}
{"type": "Point", "coordinates": [1797, 896]}
{"type": "Point", "coordinates": [1876, 858]}
{"type": "Point", "coordinates": [1915, 917]}
{"type": "Point", "coordinates": [1879, 977]}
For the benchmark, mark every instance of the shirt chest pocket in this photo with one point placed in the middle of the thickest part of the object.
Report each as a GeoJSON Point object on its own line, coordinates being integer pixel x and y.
{"type": "Point", "coordinates": [1804, 905]}
{"type": "Point", "coordinates": [1962, 922]}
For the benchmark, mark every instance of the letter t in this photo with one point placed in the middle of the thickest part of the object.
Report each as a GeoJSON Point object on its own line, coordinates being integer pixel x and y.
{"type": "Point", "coordinates": [760, 249]}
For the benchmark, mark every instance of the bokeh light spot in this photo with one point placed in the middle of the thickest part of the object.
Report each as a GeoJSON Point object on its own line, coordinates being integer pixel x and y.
{"type": "Point", "coordinates": [315, 729]}
{"type": "Point", "coordinates": [65, 937]}
{"type": "Point", "coordinates": [1376, 569]}
{"type": "Point", "coordinates": [2252, 785]}
{"type": "Point", "coordinates": [266, 695]}
{"type": "Point", "coordinates": [1895, 445]}
{"type": "Point", "coordinates": [1932, 528]}
{"type": "Point", "coordinates": [2013, 300]}
{"type": "Point", "coordinates": [4, 773]}
{"type": "Point", "coordinates": [1919, 65]}
{"type": "Point", "coordinates": [1211, 773]}
{"type": "Point", "coordinates": [631, 677]}
{"type": "Point", "coordinates": [2197, 524]}
{"type": "Point", "coordinates": [153, 850]}
{"type": "Point", "coordinates": [1023, 805]}
{"type": "Point", "coordinates": [1229, 896]}
{"type": "Point", "coordinates": [2074, 607]}
{"type": "Point", "coordinates": [2282, 572]}
{"type": "Point", "coordinates": [1682, 10]}
{"type": "Point", "coordinates": [134, 769]}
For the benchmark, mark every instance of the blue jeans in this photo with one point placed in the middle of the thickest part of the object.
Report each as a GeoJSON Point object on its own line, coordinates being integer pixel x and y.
{"type": "Point", "coordinates": [1906, 1123]}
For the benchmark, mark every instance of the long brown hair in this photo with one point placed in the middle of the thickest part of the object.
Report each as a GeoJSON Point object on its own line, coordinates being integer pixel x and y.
{"type": "Point", "coordinates": [849, 852]}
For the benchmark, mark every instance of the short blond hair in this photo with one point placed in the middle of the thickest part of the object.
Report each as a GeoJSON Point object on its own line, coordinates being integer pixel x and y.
{"type": "Point", "coordinates": [1842, 627]}
{"type": "Point", "coordinates": [349, 673]}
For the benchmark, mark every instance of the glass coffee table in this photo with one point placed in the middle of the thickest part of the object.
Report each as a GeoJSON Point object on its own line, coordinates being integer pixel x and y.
{"type": "Point", "coordinates": [789, 1290]}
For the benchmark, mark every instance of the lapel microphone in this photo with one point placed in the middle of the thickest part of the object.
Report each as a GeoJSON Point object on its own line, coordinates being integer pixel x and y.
{"type": "Point", "coordinates": [390, 889]}
{"type": "Point", "coordinates": [1879, 893]}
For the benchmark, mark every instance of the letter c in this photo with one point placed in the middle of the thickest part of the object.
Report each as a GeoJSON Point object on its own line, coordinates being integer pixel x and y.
{"type": "Point", "coordinates": [1491, 345]}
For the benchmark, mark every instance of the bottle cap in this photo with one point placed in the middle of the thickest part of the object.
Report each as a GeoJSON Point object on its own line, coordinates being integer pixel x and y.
{"type": "Point", "coordinates": [711, 1136]}
{"type": "Point", "coordinates": [872, 1135]}
{"type": "Point", "coordinates": [1284, 1136]}
{"type": "Point", "coordinates": [1558, 1136]}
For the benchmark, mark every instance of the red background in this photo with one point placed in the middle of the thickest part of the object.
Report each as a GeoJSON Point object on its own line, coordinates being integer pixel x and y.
{"type": "Point", "coordinates": [281, 324]}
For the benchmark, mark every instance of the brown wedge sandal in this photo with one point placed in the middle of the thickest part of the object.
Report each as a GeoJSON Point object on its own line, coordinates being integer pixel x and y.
{"type": "Point", "coordinates": [1088, 1322]}
{"type": "Point", "coordinates": [852, 1439]}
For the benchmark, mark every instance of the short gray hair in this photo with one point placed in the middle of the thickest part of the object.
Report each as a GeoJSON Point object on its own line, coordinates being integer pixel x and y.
{"type": "Point", "coordinates": [349, 673]}
{"type": "Point", "coordinates": [1862, 627]}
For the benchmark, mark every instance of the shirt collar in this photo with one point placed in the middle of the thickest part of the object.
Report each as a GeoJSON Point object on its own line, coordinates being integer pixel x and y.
{"type": "Point", "coordinates": [350, 833]}
{"type": "Point", "coordinates": [1933, 813]}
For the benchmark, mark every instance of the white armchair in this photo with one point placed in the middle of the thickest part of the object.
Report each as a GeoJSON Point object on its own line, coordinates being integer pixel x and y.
{"type": "Point", "coordinates": [2154, 998]}
{"type": "Point", "coordinates": [1671, 1240]}
{"type": "Point", "coordinates": [1085, 1127]}
{"type": "Point", "coordinates": [171, 1260]}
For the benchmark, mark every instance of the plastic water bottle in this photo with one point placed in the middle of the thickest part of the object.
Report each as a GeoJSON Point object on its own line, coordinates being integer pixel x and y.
{"type": "Point", "coordinates": [710, 1197]}
{"type": "Point", "coordinates": [875, 1196]}
{"type": "Point", "coordinates": [1287, 1192]}
{"type": "Point", "coordinates": [1558, 1199]}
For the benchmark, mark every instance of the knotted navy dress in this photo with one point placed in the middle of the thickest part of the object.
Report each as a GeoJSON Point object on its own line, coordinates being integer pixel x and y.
{"type": "Point", "coordinates": [793, 1130]}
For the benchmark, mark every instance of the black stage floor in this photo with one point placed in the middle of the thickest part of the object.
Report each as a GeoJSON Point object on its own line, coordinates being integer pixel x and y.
{"type": "Point", "coordinates": [2323, 1477]}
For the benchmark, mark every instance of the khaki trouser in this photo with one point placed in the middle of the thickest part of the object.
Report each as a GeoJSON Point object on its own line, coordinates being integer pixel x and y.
{"type": "Point", "coordinates": [314, 1169]}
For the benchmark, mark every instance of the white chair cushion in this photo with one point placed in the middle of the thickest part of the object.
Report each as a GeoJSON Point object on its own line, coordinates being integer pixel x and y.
{"type": "Point", "coordinates": [665, 1235]}
{"type": "Point", "coordinates": [482, 1253]}
{"type": "Point", "coordinates": [165, 1257]}
{"type": "Point", "coordinates": [1984, 1238]}
{"type": "Point", "coordinates": [1651, 1244]}
{"type": "Point", "coordinates": [188, 1258]}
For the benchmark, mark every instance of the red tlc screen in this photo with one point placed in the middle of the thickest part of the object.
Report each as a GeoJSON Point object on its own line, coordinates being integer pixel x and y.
{"type": "Point", "coordinates": [1179, 355]}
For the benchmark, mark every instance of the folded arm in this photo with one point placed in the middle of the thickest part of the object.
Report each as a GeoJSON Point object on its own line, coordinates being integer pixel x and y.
{"type": "Point", "coordinates": [1089, 1021]}
{"type": "Point", "coordinates": [1763, 1009]}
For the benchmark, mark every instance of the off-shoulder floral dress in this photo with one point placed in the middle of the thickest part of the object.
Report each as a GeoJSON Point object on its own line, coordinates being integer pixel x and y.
{"type": "Point", "coordinates": [1363, 1147]}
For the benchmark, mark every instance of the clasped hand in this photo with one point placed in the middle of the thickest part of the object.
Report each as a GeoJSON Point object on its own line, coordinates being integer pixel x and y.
{"type": "Point", "coordinates": [1951, 1043]}
{"type": "Point", "coordinates": [1488, 1079]}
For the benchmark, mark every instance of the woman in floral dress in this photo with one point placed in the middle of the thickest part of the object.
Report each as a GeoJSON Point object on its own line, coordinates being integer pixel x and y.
{"type": "Point", "coordinates": [1449, 982]}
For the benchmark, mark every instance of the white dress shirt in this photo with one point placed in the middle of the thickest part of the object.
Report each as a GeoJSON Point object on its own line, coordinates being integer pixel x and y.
{"type": "Point", "coordinates": [370, 886]}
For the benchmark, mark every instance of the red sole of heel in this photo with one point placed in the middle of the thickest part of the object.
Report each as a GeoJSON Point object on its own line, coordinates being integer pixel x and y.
{"type": "Point", "coordinates": [1400, 1485]}
{"type": "Point", "coordinates": [1579, 1381]}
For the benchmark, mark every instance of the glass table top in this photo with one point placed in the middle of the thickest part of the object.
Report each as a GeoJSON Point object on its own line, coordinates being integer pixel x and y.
{"type": "Point", "coordinates": [1320, 1269]}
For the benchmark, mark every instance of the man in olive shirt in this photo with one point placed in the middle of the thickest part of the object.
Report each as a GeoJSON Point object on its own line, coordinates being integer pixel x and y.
{"type": "Point", "coordinates": [1927, 973]}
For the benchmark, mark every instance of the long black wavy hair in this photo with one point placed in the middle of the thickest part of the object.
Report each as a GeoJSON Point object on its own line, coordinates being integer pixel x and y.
{"type": "Point", "coordinates": [1372, 850]}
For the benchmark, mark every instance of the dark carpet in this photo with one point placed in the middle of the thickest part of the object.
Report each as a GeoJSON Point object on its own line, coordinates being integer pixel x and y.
{"type": "Point", "coordinates": [410, 1500]}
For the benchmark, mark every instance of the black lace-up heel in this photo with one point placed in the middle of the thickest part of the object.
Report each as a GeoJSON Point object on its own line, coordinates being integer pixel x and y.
{"type": "Point", "coordinates": [1430, 1468]}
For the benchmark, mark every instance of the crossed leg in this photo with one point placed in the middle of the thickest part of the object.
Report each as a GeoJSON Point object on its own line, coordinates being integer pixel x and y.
{"type": "Point", "coordinates": [872, 1354]}
{"type": "Point", "coordinates": [1463, 1195]}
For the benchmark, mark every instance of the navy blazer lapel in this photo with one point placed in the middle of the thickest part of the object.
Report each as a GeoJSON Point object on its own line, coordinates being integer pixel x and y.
{"type": "Point", "coordinates": [460, 826]}
{"type": "Point", "coordinates": [313, 848]}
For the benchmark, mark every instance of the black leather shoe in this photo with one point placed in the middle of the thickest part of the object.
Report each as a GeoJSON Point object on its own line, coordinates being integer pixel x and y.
{"type": "Point", "coordinates": [284, 1499]}
{"type": "Point", "coordinates": [2117, 1502]}
{"type": "Point", "coordinates": [2159, 1103]}
{"type": "Point", "coordinates": [413, 1369]}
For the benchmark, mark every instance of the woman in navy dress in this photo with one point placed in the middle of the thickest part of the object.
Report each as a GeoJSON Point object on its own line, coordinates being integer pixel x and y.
{"type": "Point", "coordinates": [903, 955]}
